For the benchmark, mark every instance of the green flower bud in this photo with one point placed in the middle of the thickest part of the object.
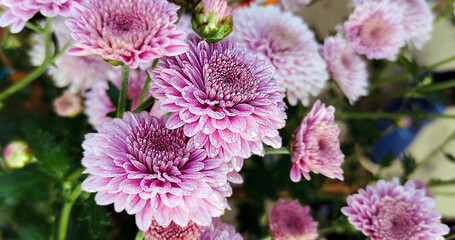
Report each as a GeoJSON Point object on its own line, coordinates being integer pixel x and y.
{"type": "Point", "coordinates": [212, 20]}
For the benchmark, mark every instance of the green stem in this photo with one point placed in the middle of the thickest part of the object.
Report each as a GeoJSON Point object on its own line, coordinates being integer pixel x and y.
{"type": "Point", "coordinates": [383, 81]}
{"type": "Point", "coordinates": [139, 235]}
{"type": "Point", "coordinates": [436, 150]}
{"type": "Point", "coordinates": [123, 91]}
{"type": "Point", "coordinates": [282, 150]}
{"type": "Point", "coordinates": [147, 84]}
{"type": "Point", "coordinates": [144, 105]}
{"type": "Point", "coordinates": [65, 213]}
{"type": "Point", "coordinates": [75, 175]}
{"type": "Point", "coordinates": [438, 64]}
{"type": "Point", "coordinates": [437, 86]}
{"type": "Point", "coordinates": [451, 237]}
{"type": "Point", "coordinates": [441, 183]}
{"type": "Point", "coordinates": [327, 230]}
{"type": "Point", "coordinates": [376, 115]}
{"type": "Point", "coordinates": [37, 72]}
{"type": "Point", "coordinates": [33, 27]}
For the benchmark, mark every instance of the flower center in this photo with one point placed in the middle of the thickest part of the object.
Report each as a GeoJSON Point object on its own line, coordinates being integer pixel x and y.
{"type": "Point", "coordinates": [229, 78]}
{"type": "Point", "coordinates": [394, 220]}
{"type": "Point", "coordinates": [159, 149]}
{"type": "Point", "coordinates": [373, 32]}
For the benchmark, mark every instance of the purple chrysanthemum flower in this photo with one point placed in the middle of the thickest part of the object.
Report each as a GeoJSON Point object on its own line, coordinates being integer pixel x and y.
{"type": "Point", "coordinates": [287, 43]}
{"type": "Point", "coordinates": [315, 146]}
{"type": "Point", "coordinates": [220, 231]}
{"type": "Point", "coordinates": [130, 31]}
{"type": "Point", "coordinates": [289, 220]}
{"type": "Point", "coordinates": [151, 171]}
{"type": "Point", "coordinates": [97, 102]}
{"type": "Point", "coordinates": [76, 72]}
{"type": "Point", "coordinates": [224, 98]}
{"type": "Point", "coordinates": [391, 211]}
{"type": "Point", "coordinates": [417, 20]}
{"type": "Point", "coordinates": [173, 232]}
{"type": "Point", "coordinates": [375, 29]}
{"type": "Point", "coordinates": [347, 68]}
{"type": "Point", "coordinates": [20, 11]}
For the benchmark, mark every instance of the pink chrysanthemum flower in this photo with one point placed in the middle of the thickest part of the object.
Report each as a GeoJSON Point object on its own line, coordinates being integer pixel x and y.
{"type": "Point", "coordinates": [220, 231]}
{"type": "Point", "coordinates": [375, 29]}
{"type": "Point", "coordinates": [224, 98]}
{"type": "Point", "coordinates": [173, 232]}
{"type": "Point", "coordinates": [391, 211]}
{"type": "Point", "coordinates": [151, 171]}
{"type": "Point", "coordinates": [20, 11]}
{"type": "Point", "coordinates": [97, 102]}
{"type": "Point", "coordinates": [68, 105]}
{"type": "Point", "coordinates": [417, 20]}
{"type": "Point", "coordinates": [287, 43]}
{"type": "Point", "coordinates": [289, 220]}
{"type": "Point", "coordinates": [130, 31]}
{"type": "Point", "coordinates": [315, 146]}
{"type": "Point", "coordinates": [347, 68]}
{"type": "Point", "coordinates": [76, 72]}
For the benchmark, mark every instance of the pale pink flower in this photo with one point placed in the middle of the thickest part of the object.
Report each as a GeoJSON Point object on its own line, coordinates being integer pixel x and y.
{"type": "Point", "coordinates": [347, 68]}
{"type": "Point", "coordinates": [391, 211]}
{"type": "Point", "coordinates": [151, 171]}
{"type": "Point", "coordinates": [375, 29]}
{"type": "Point", "coordinates": [287, 43]}
{"type": "Point", "coordinates": [20, 11]}
{"type": "Point", "coordinates": [315, 146]}
{"type": "Point", "coordinates": [17, 154]}
{"type": "Point", "coordinates": [68, 105]}
{"type": "Point", "coordinates": [133, 31]}
{"type": "Point", "coordinates": [295, 6]}
{"type": "Point", "coordinates": [289, 220]}
{"type": "Point", "coordinates": [220, 231]}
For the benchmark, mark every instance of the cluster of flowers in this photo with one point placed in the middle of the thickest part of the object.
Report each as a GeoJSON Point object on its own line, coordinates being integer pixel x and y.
{"type": "Point", "coordinates": [218, 99]}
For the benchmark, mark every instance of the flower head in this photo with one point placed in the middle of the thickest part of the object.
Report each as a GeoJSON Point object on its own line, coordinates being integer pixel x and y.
{"type": "Point", "coordinates": [220, 231]}
{"type": "Point", "coordinates": [68, 105]}
{"type": "Point", "coordinates": [17, 154]}
{"type": "Point", "coordinates": [20, 11]}
{"type": "Point", "coordinates": [375, 29]}
{"type": "Point", "coordinates": [295, 6]}
{"type": "Point", "coordinates": [391, 211]}
{"type": "Point", "coordinates": [224, 98]}
{"type": "Point", "coordinates": [173, 231]}
{"type": "Point", "coordinates": [130, 31]}
{"type": "Point", "coordinates": [347, 68]}
{"type": "Point", "coordinates": [212, 20]}
{"type": "Point", "coordinates": [289, 220]}
{"type": "Point", "coordinates": [76, 72]}
{"type": "Point", "coordinates": [151, 171]}
{"type": "Point", "coordinates": [97, 102]}
{"type": "Point", "coordinates": [315, 145]}
{"type": "Point", "coordinates": [287, 43]}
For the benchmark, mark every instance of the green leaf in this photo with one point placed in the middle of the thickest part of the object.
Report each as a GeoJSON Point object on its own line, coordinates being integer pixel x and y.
{"type": "Point", "coordinates": [114, 94]}
{"type": "Point", "coordinates": [97, 216]}
{"type": "Point", "coordinates": [52, 155]}
{"type": "Point", "coordinates": [387, 159]}
{"type": "Point", "coordinates": [23, 183]}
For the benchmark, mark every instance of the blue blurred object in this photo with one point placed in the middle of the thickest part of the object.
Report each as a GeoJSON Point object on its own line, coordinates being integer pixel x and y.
{"type": "Point", "coordinates": [400, 135]}
{"type": "Point", "coordinates": [3, 72]}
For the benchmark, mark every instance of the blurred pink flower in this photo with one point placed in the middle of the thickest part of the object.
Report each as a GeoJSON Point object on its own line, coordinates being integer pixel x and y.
{"type": "Point", "coordinates": [347, 68]}
{"type": "Point", "coordinates": [287, 43]}
{"type": "Point", "coordinates": [375, 29]}
{"type": "Point", "coordinates": [68, 105]}
{"type": "Point", "coordinates": [220, 231]}
{"type": "Point", "coordinates": [20, 11]}
{"type": "Point", "coordinates": [133, 32]}
{"type": "Point", "coordinates": [289, 220]}
{"type": "Point", "coordinates": [391, 211]}
{"type": "Point", "coordinates": [315, 146]}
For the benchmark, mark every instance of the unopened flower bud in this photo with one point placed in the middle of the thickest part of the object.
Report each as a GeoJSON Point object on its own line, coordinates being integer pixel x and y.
{"type": "Point", "coordinates": [17, 154]}
{"type": "Point", "coordinates": [68, 105]}
{"type": "Point", "coordinates": [212, 20]}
